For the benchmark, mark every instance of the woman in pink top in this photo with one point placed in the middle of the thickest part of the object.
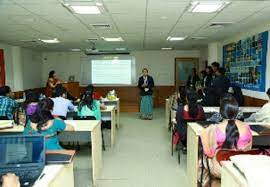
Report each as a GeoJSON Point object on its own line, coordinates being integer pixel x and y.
{"type": "Point", "coordinates": [229, 134]}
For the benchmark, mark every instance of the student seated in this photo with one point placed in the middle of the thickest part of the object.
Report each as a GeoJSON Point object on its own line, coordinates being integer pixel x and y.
{"type": "Point", "coordinates": [190, 111]}
{"type": "Point", "coordinates": [42, 122]}
{"type": "Point", "coordinates": [263, 115]}
{"type": "Point", "coordinates": [89, 106]}
{"type": "Point", "coordinates": [7, 105]}
{"type": "Point", "coordinates": [228, 134]}
{"type": "Point", "coordinates": [31, 102]}
{"type": "Point", "coordinates": [61, 104]}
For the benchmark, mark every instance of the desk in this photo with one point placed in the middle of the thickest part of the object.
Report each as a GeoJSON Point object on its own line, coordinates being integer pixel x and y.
{"type": "Point", "coordinates": [92, 126]}
{"type": "Point", "coordinates": [56, 175]}
{"type": "Point", "coordinates": [116, 103]}
{"type": "Point", "coordinates": [109, 115]}
{"type": "Point", "coordinates": [231, 177]}
{"type": "Point", "coordinates": [193, 134]}
{"type": "Point", "coordinates": [73, 88]}
{"type": "Point", "coordinates": [216, 109]}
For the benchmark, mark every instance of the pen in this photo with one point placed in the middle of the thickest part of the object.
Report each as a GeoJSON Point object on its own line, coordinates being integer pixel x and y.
{"type": "Point", "coordinates": [41, 176]}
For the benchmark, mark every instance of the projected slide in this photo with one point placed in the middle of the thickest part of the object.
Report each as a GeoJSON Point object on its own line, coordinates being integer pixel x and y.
{"type": "Point", "coordinates": [116, 71]}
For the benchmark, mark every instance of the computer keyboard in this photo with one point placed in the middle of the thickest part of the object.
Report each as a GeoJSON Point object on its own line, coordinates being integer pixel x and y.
{"type": "Point", "coordinates": [27, 176]}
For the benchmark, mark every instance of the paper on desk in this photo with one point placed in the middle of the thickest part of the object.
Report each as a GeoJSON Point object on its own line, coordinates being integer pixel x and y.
{"type": "Point", "coordinates": [255, 168]}
{"type": "Point", "coordinates": [48, 173]}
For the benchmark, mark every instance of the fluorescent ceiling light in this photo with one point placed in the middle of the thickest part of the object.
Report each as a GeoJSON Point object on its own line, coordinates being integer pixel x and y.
{"type": "Point", "coordinates": [207, 6]}
{"type": "Point", "coordinates": [84, 9]}
{"type": "Point", "coordinates": [120, 49]}
{"type": "Point", "coordinates": [50, 41]}
{"type": "Point", "coordinates": [166, 48]}
{"type": "Point", "coordinates": [198, 38]}
{"type": "Point", "coordinates": [118, 39]}
{"type": "Point", "coordinates": [173, 38]}
{"type": "Point", "coordinates": [75, 50]}
{"type": "Point", "coordinates": [99, 4]}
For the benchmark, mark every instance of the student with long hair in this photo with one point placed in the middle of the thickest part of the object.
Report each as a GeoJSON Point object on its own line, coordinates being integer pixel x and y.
{"type": "Point", "coordinates": [191, 111]}
{"type": "Point", "coordinates": [90, 106]}
{"type": "Point", "coordinates": [228, 134]}
{"type": "Point", "coordinates": [42, 122]}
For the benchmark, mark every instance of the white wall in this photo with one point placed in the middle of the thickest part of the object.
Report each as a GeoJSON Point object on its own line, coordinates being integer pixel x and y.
{"type": "Point", "coordinates": [22, 66]}
{"type": "Point", "coordinates": [160, 64]}
{"type": "Point", "coordinates": [247, 33]}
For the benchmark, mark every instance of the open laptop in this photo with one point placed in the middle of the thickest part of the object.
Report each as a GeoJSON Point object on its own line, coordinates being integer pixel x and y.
{"type": "Point", "coordinates": [22, 155]}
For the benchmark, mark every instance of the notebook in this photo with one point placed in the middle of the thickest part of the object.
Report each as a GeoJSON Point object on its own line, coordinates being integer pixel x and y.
{"type": "Point", "coordinates": [59, 156]}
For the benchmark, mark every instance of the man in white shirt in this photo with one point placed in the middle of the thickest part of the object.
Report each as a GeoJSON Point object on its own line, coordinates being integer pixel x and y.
{"type": "Point", "coordinates": [61, 105]}
{"type": "Point", "coordinates": [263, 115]}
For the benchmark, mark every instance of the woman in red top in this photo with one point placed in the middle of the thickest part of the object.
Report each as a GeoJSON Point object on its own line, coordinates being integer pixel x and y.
{"type": "Point", "coordinates": [52, 82]}
{"type": "Point", "coordinates": [191, 111]}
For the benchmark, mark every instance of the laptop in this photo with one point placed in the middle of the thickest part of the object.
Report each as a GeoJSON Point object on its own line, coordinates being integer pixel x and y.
{"type": "Point", "coordinates": [23, 156]}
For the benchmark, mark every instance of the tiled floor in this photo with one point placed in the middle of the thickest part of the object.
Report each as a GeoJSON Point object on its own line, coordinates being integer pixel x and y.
{"type": "Point", "coordinates": [140, 158]}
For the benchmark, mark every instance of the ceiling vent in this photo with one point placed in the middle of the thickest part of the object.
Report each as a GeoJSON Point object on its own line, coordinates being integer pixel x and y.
{"type": "Point", "coordinates": [101, 26]}
{"type": "Point", "coordinates": [220, 24]}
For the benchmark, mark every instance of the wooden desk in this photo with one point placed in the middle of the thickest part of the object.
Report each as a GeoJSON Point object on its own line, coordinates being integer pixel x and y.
{"type": "Point", "coordinates": [116, 103]}
{"type": "Point", "coordinates": [109, 115]}
{"type": "Point", "coordinates": [73, 88]}
{"type": "Point", "coordinates": [231, 177]}
{"type": "Point", "coordinates": [92, 126]}
{"type": "Point", "coordinates": [56, 175]}
{"type": "Point", "coordinates": [193, 134]}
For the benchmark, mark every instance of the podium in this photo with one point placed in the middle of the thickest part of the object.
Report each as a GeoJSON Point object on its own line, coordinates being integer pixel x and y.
{"type": "Point", "coordinates": [73, 88]}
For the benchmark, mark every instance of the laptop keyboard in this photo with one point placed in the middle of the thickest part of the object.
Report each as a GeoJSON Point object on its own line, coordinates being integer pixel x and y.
{"type": "Point", "coordinates": [27, 177]}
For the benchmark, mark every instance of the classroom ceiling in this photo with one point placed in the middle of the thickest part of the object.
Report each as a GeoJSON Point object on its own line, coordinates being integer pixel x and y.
{"type": "Point", "coordinates": [143, 24]}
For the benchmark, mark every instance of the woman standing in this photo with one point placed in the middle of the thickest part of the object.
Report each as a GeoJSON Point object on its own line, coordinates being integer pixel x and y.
{"type": "Point", "coordinates": [146, 84]}
{"type": "Point", "coordinates": [52, 82]}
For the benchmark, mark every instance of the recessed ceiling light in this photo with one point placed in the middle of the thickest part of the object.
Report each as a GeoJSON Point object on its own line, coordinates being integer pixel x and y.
{"type": "Point", "coordinates": [50, 41]}
{"type": "Point", "coordinates": [198, 38]}
{"type": "Point", "coordinates": [207, 6]}
{"type": "Point", "coordinates": [164, 17]}
{"type": "Point", "coordinates": [118, 39]}
{"type": "Point", "coordinates": [83, 9]}
{"type": "Point", "coordinates": [166, 48]}
{"type": "Point", "coordinates": [174, 38]}
{"type": "Point", "coordinates": [99, 4]}
{"type": "Point", "coordinates": [75, 50]}
{"type": "Point", "coordinates": [120, 49]}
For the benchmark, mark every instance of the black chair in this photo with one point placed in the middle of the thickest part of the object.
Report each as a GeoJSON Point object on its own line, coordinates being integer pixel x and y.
{"type": "Point", "coordinates": [91, 118]}
{"type": "Point", "coordinates": [179, 146]}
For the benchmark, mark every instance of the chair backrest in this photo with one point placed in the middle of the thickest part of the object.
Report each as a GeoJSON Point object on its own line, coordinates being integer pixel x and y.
{"type": "Point", "coordinates": [84, 118]}
{"type": "Point", "coordinates": [225, 154]}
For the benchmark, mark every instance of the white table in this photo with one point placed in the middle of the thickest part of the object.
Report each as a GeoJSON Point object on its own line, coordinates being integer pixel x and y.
{"type": "Point", "coordinates": [116, 103]}
{"type": "Point", "coordinates": [231, 177]}
{"type": "Point", "coordinates": [109, 115]}
{"type": "Point", "coordinates": [193, 133]}
{"type": "Point", "coordinates": [56, 175]}
{"type": "Point", "coordinates": [92, 126]}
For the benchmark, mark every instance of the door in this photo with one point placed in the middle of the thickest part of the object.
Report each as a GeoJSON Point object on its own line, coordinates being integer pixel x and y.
{"type": "Point", "coordinates": [183, 68]}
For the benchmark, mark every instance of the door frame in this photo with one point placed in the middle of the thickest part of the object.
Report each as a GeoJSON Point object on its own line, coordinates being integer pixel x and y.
{"type": "Point", "coordinates": [196, 60]}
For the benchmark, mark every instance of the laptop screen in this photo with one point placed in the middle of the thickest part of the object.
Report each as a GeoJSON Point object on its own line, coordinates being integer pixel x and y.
{"type": "Point", "coordinates": [18, 150]}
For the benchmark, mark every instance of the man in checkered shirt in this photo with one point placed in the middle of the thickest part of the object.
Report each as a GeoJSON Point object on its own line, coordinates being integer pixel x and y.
{"type": "Point", "coordinates": [7, 105]}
